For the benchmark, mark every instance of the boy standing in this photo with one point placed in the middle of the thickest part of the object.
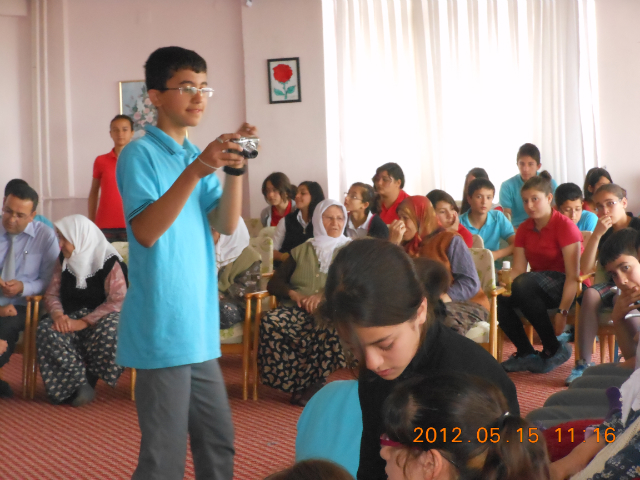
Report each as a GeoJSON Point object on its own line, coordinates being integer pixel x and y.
{"type": "Point", "coordinates": [169, 325]}
{"type": "Point", "coordinates": [528, 160]}
{"type": "Point", "coordinates": [568, 198]}
{"type": "Point", "coordinates": [491, 225]}
{"type": "Point", "coordinates": [107, 214]}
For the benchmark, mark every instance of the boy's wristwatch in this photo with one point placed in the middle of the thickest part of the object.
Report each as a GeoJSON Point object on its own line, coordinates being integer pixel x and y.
{"type": "Point", "coordinates": [564, 313]}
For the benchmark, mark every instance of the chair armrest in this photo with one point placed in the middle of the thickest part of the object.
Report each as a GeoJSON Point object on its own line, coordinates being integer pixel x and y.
{"type": "Point", "coordinates": [498, 291]}
{"type": "Point", "coordinates": [587, 276]}
{"type": "Point", "coordinates": [267, 275]}
{"type": "Point", "coordinates": [258, 295]}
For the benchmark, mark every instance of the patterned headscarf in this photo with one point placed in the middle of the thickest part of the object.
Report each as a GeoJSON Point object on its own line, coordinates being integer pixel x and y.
{"type": "Point", "coordinates": [423, 215]}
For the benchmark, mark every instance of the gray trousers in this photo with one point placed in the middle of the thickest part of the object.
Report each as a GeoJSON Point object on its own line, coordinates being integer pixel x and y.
{"type": "Point", "coordinates": [584, 399]}
{"type": "Point", "coordinates": [179, 402]}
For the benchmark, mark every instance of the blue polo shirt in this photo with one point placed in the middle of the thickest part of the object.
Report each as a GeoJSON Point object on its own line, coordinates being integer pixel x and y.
{"type": "Point", "coordinates": [170, 315]}
{"type": "Point", "coordinates": [510, 198]}
{"type": "Point", "coordinates": [588, 221]}
{"type": "Point", "coordinates": [497, 227]}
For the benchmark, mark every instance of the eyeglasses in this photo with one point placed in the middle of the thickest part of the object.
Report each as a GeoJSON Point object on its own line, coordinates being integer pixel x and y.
{"type": "Point", "coordinates": [608, 205]}
{"type": "Point", "coordinates": [352, 197]}
{"type": "Point", "coordinates": [205, 92]}
{"type": "Point", "coordinates": [385, 179]}
{"type": "Point", "coordinates": [10, 213]}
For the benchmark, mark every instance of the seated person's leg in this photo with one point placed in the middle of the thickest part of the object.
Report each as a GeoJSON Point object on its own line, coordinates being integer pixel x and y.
{"type": "Point", "coordinates": [511, 325]}
{"type": "Point", "coordinates": [10, 328]}
{"type": "Point", "coordinates": [609, 369]}
{"type": "Point", "coordinates": [548, 417]}
{"type": "Point", "coordinates": [97, 347]}
{"type": "Point", "coordinates": [599, 381]}
{"type": "Point", "coordinates": [62, 367]}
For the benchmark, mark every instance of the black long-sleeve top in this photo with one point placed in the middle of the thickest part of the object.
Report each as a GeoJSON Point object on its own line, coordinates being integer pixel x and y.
{"type": "Point", "coordinates": [442, 350]}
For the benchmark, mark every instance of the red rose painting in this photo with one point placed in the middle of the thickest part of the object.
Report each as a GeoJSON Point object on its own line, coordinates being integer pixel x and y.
{"type": "Point", "coordinates": [284, 80]}
{"type": "Point", "coordinates": [283, 73]}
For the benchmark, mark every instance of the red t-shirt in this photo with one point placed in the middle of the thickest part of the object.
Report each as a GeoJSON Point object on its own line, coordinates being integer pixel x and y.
{"type": "Point", "coordinates": [276, 217]}
{"type": "Point", "coordinates": [543, 249]}
{"type": "Point", "coordinates": [388, 215]}
{"type": "Point", "coordinates": [110, 213]}
{"type": "Point", "coordinates": [466, 235]}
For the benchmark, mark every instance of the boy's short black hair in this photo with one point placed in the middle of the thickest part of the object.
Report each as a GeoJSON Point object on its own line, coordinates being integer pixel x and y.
{"type": "Point", "coordinates": [479, 183]}
{"type": "Point", "coordinates": [394, 170]}
{"type": "Point", "coordinates": [122, 117]}
{"type": "Point", "coordinates": [24, 192]}
{"type": "Point", "coordinates": [166, 61]}
{"type": "Point", "coordinates": [622, 242]}
{"type": "Point", "coordinates": [567, 192]}
{"type": "Point", "coordinates": [529, 150]}
{"type": "Point", "coordinates": [11, 184]}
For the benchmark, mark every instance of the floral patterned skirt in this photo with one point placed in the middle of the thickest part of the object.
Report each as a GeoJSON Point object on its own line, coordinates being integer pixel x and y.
{"type": "Point", "coordinates": [294, 353]}
{"type": "Point", "coordinates": [462, 316]}
{"type": "Point", "coordinates": [65, 359]}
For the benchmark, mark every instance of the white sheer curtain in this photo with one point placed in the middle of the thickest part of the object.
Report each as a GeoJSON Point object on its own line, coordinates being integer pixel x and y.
{"type": "Point", "coordinates": [442, 86]}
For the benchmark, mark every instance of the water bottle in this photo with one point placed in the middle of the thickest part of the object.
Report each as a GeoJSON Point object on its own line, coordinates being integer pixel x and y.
{"type": "Point", "coordinates": [505, 276]}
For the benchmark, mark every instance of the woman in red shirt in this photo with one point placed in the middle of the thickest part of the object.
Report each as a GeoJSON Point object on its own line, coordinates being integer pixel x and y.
{"type": "Point", "coordinates": [551, 243]}
{"type": "Point", "coordinates": [448, 214]}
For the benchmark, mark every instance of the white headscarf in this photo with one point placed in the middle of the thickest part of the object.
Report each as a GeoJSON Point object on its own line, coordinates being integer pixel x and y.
{"type": "Point", "coordinates": [230, 247]}
{"type": "Point", "coordinates": [323, 244]}
{"type": "Point", "coordinates": [91, 247]}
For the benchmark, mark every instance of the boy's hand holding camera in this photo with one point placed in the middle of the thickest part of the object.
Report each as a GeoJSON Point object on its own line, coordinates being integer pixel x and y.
{"type": "Point", "coordinates": [626, 302]}
{"type": "Point", "coordinates": [221, 152]}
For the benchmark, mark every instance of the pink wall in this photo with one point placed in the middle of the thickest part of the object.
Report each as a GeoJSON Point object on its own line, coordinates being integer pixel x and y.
{"type": "Point", "coordinates": [294, 134]}
{"type": "Point", "coordinates": [110, 42]}
{"type": "Point", "coordinates": [619, 77]}
{"type": "Point", "coordinates": [15, 94]}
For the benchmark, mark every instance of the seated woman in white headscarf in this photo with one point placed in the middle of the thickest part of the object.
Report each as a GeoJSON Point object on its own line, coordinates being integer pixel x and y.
{"type": "Point", "coordinates": [238, 269]}
{"type": "Point", "coordinates": [76, 342]}
{"type": "Point", "coordinates": [296, 355]}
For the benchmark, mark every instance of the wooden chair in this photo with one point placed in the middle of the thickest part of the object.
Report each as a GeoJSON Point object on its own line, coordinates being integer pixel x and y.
{"type": "Point", "coordinates": [123, 249]}
{"type": "Point", "coordinates": [264, 246]}
{"type": "Point", "coordinates": [259, 298]}
{"type": "Point", "coordinates": [483, 261]}
{"type": "Point", "coordinates": [26, 346]}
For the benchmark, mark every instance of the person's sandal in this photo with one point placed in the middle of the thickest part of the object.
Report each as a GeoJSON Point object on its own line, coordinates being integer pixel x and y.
{"type": "Point", "coordinates": [310, 392]}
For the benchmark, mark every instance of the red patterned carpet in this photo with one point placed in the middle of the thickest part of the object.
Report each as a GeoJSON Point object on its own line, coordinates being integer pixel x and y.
{"type": "Point", "coordinates": [100, 441]}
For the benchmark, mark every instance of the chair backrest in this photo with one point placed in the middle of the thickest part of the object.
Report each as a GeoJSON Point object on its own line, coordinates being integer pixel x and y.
{"type": "Point", "coordinates": [254, 225]}
{"type": "Point", "coordinates": [264, 245]}
{"type": "Point", "coordinates": [267, 232]}
{"type": "Point", "coordinates": [478, 242]}
{"type": "Point", "coordinates": [123, 249]}
{"type": "Point", "coordinates": [483, 260]}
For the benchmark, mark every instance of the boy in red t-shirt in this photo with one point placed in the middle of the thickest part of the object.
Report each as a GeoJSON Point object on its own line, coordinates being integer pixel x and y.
{"type": "Point", "coordinates": [107, 213]}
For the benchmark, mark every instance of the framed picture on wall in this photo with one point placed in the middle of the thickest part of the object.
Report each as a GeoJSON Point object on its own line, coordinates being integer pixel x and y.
{"type": "Point", "coordinates": [284, 80]}
{"type": "Point", "coordinates": [135, 102]}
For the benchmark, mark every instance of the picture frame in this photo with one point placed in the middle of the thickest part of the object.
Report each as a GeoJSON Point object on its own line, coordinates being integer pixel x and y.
{"type": "Point", "coordinates": [284, 80]}
{"type": "Point", "coordinates": [135, 102]}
